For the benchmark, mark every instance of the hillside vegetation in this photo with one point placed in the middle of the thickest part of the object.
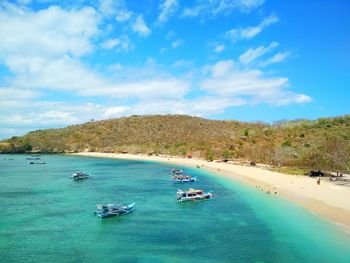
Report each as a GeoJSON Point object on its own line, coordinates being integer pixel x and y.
{"type": "Point", "coordinates": [319, 144]}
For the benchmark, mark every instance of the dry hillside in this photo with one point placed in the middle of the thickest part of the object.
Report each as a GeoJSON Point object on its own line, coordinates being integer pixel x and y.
{"type": "Point", "coordinates": [323, 143]}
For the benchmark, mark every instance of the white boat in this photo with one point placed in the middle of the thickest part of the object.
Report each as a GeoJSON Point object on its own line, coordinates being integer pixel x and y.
{"type": "Point", "coordinates": [193, 195]}
{"type": "Point", "coordinates": [80, 176]}
{"type": "Point", "coordinates": [184, 179]}
{"type": "Point", "coordinates": [108, 210]}
{"type": "Point", "coordinates": [175, 171]}
{"type": "Point", "coordinates": [33, 158]}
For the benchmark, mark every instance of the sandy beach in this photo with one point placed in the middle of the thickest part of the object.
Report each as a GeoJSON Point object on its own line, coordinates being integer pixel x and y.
{"type": "Point", "coordinates": [328, 200]}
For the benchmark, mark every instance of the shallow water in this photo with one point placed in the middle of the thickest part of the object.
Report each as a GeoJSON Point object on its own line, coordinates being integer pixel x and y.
{"type": "Point", "coordinates": [47, 217]}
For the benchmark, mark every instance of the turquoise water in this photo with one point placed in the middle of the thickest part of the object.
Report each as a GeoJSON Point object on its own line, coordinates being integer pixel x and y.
{"type": "Point", "coordinates": [47, 217]}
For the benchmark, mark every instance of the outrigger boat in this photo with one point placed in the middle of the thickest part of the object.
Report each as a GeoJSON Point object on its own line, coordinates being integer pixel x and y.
{"type": "Point", "coordinates": [33, 158]}
{"type": "Point", "coordinates": [80, 176]}
{"type": "Point", "coordinates": [184, 179]}
{"type": "Point", "coordinates": [193, 195]}
{"type": "Point", "coordinates": [175, 171]}
{"type": "Point", "coordinates": [108, 210]}
{"type": "Point", "coordinates": [37, 163]}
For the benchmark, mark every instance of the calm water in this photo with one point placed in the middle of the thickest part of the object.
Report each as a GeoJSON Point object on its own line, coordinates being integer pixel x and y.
{"type": "Point", "coordinates": [47, 217]}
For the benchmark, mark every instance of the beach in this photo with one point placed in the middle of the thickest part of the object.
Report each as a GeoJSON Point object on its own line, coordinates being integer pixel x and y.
{"type": "Point", "coordinates": [327, 200]}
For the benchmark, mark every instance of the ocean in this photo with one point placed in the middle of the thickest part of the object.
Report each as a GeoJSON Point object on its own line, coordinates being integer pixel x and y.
{"type": "Point", "coordinates": [47, 217]}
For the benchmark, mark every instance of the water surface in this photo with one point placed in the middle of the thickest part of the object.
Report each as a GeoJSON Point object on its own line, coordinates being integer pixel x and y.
{"type": "Point", "coordinates": [47, 217]}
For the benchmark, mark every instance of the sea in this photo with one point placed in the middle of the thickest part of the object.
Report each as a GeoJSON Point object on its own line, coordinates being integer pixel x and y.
{"type": "Point", "coordinates": [45, 216]}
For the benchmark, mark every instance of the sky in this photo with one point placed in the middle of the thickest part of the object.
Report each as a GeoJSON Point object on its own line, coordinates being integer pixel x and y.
{"type": "Point", "coordinates": [68, 62]}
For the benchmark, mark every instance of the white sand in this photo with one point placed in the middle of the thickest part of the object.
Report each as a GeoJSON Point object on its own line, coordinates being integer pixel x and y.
{"type": "Point", "coordinates": [327, 199]}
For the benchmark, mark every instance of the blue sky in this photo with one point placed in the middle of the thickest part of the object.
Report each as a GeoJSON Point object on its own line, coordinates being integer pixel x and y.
{"type": "Point", "coordinates": [66, 62]}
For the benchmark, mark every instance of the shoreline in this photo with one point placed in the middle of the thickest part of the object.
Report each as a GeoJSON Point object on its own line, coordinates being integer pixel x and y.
{"type": "Point", "coordinates": [327, 200]}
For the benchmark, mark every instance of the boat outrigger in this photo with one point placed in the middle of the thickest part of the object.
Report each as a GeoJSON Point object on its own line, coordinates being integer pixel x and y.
{"type": "Point", "coordinates": [184, 179]}
{"type": "Point", "coordinates": [193, 195]}
{"type": "Point", "coordinates": [108, 210]}
{"type": "Point", "coordinates": [80, 176]}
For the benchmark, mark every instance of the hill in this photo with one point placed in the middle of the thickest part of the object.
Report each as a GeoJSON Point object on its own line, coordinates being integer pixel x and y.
{"type": "Point", "coordinates": [316, 144]}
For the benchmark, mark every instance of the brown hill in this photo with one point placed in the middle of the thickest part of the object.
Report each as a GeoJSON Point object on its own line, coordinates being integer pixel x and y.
{"type": "Point", "coordinates": [322, 143]}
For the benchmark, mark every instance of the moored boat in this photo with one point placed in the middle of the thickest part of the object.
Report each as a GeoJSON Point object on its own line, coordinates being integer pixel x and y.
{"type": "Point", "coordinates": [33, 158]}
{"type": "Point", "coordinates": [184, 179]}
{"type": "Point", "coordinates": [116, 209]}
{"type": "Point", "coordinates": [37, 163]}
{"type": "Point", "coordinates": [80, 176]}
{"type": "Point", "coordinates": [175, 171]}
{"type": "Point", "coordinates": [193, 195]}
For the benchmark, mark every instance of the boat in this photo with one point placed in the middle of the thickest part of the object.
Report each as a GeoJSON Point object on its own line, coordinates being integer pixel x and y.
{"type": "Point", "coordinates": [193, 195]}
{"type": "Point", "coordinates": [175, 171]}
{"type": "Point", "coordinates": [116, 209]}
{"type": "Point", "coordinates": [80, 176]}
{"type": "Point", "coordinates": [184, 179]}
{"type": "Point", "coordinates": [37, 163]}
{"type": "Point", "coordinates": [33, 158]}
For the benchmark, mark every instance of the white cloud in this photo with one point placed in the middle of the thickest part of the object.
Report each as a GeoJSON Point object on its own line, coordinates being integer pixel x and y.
{"type": "Point", "coordinates": [140, 27]}
{"type": "Point", "coordinates": [42, 51]}
{"type": "Point", "coordinates": [177, 43]}
{"type": "Point", "coordinates": [226, 6]}
{"type": "Point", "coordinates": [143, 89]}
{"type": "Point", "coordinates": [182, 63]}
{"type": "Point", "coordinates": [62, 74]}
{"type": "Point", "coordinates": [301, 98]}
{"type": "Point", "coordinates": [226, 80]}
{"type": "Point", "coordinates": [6, 133]}
{"type": "Point", "coordinates": [108, 7]}
{"type": "Point", "coordinates": [115, 67]}
{"type": "Point", "coordinates": [119, 44]}
{"type": "Point", "coordinates": [115, 8]}
{"type": "Point", "coordinates": [253, 53]}
{"type": "Point", "coordinates": [8, 94]}
{"type": "Point", "coordinates": [47, 114]}
{"type": "Point", "coordinates": [250, 32]}
{"type": "Point", "coordinates": [49, 32]}
{"type": "Point", "coordinates": [71, 75]}
{"type": "Point", "coordinates": [198, 107]}
{"type": "Point", "coordinates": [221, 68]}
{"type": "Point", "coordinates": [41, 114]}
{"type": "Point", "coordinates": [123, 15]}
{"type": "Point", "coordinates": [216, 7]}
{"type": "Point", "coordinates": [111, 43]}
{"type": "Point", "coordinates": [246, 5]}
{"type": "Point", "coordinates": [192, 12]}
{"type": "Point", "coordinates": [113, 112]}
{"type": "Point", "coordinates": [219, 48]}
{"type": "Point", "coordinates": [24, 2]}
{"type": "Point", "coordinates": [167, 8]}
{"type": "Point", "coordinates": [279, 57]}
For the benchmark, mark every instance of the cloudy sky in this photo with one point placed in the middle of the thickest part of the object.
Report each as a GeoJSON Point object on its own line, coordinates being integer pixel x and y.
{"type": "Point", "coordinates": [66, 62]}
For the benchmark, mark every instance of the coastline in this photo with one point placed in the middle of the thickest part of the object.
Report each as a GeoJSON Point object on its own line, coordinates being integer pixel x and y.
{"type": "Point", "coordinates": [327, 200]}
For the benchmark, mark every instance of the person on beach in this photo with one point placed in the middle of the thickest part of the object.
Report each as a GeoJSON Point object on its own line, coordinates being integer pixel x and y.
{"type": "Point", "coordinates": [318, 181]}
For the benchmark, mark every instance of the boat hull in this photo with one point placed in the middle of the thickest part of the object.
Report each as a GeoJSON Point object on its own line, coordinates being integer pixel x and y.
{"type": "Point", "coordinates": [196, 198]}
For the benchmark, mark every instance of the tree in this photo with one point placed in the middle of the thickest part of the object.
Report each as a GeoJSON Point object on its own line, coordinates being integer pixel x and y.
{"type": "Point", "coordinates": [313, 158]}
{"type": "Point", "coordinates": [226, 154]}
{"type": "Point", "coordinates": [337, 152]}
{"type": "Point", "coordinates": [245, 132]}
{"type": "Point", "coordinates": [209, 155]}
